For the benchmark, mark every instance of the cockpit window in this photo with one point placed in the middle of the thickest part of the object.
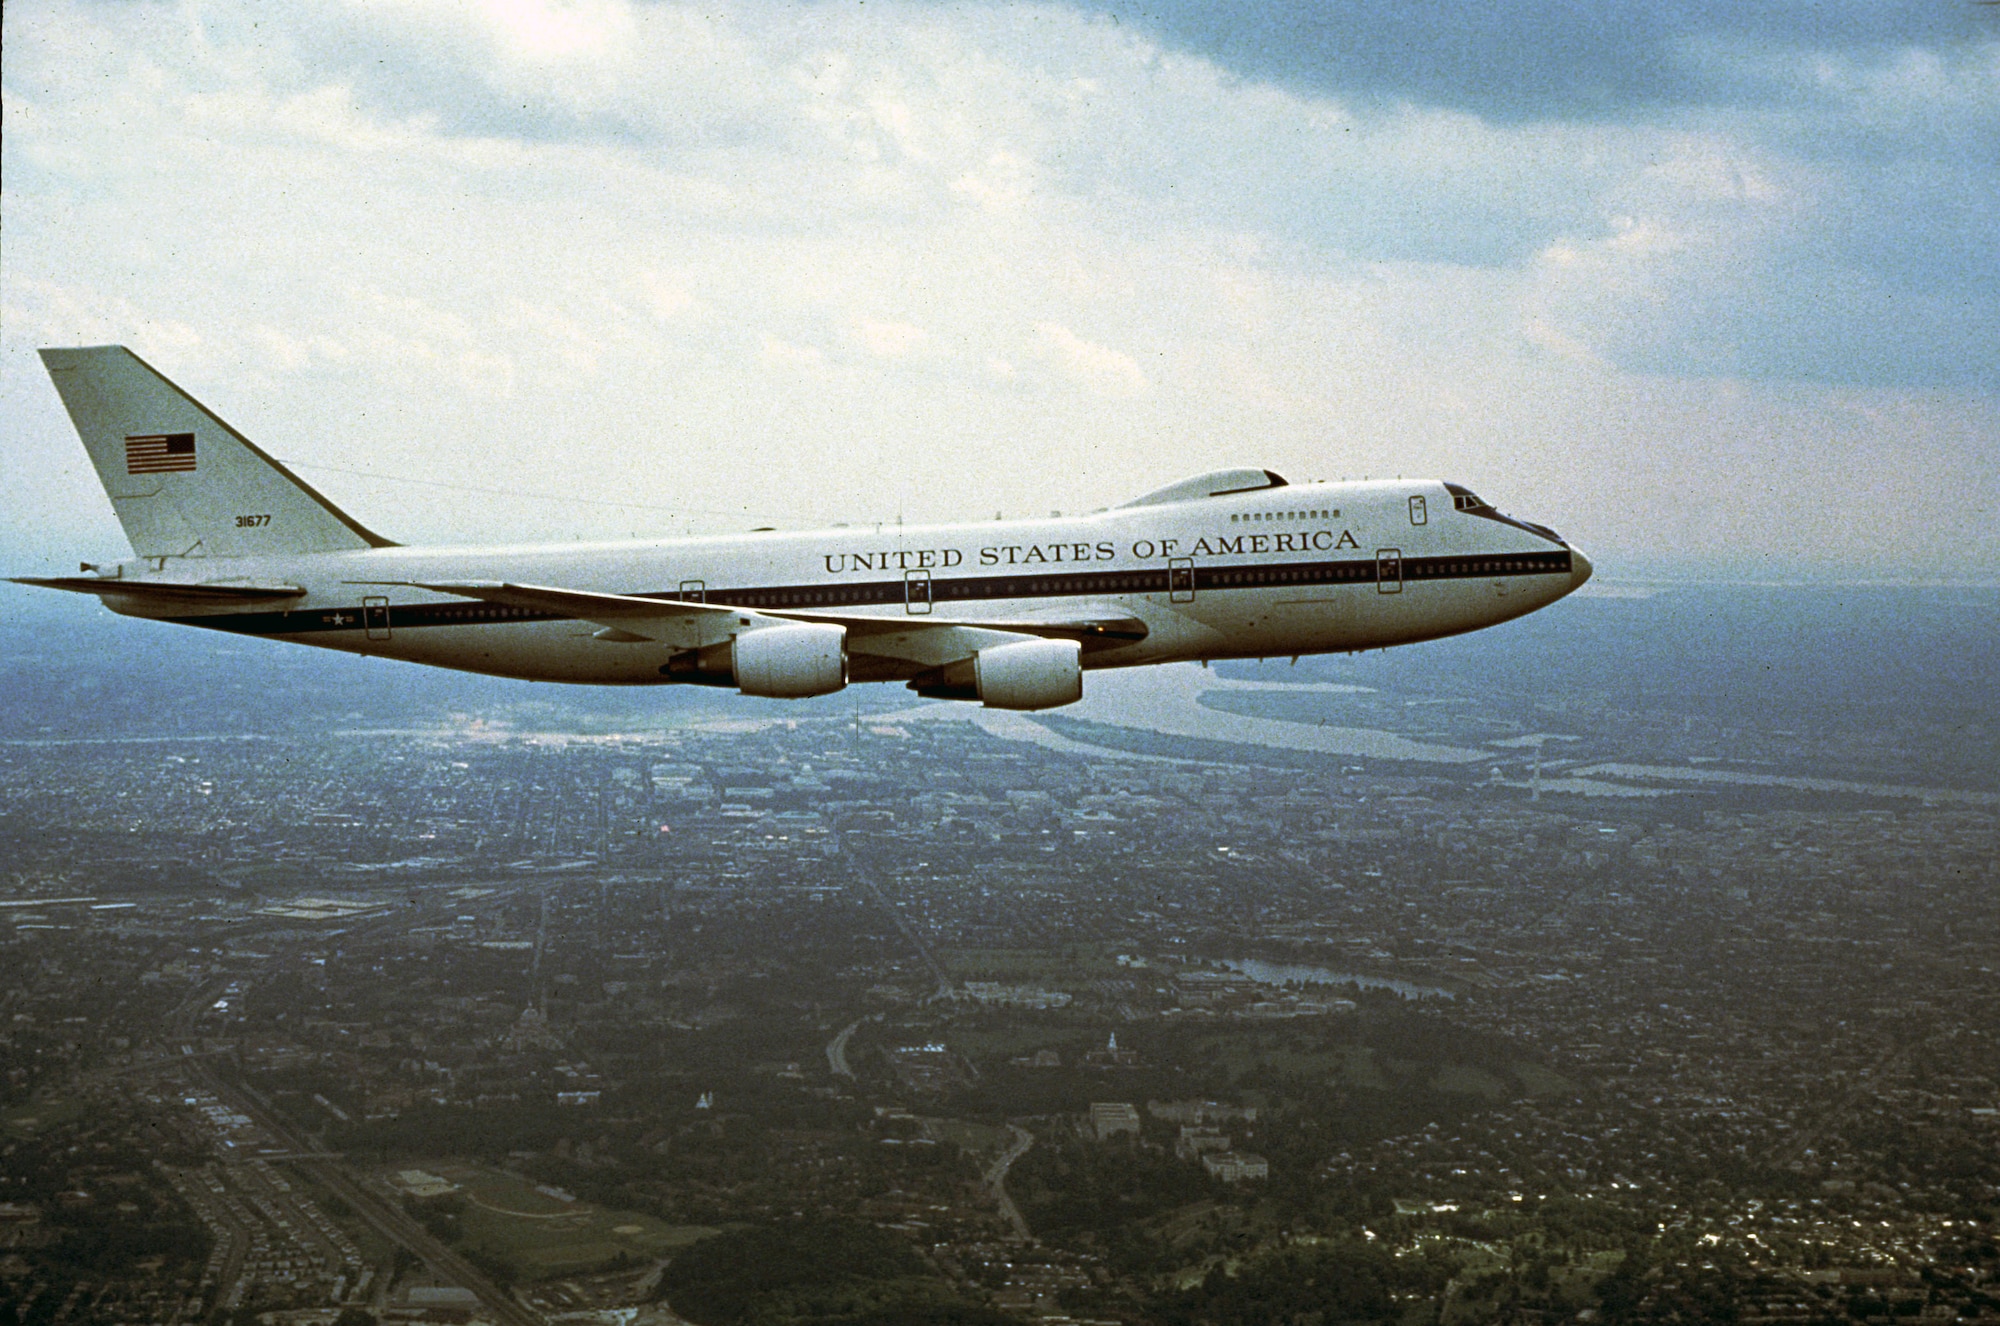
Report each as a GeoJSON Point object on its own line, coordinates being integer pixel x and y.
{"type": "Point", "coordinates": [1464, 499]}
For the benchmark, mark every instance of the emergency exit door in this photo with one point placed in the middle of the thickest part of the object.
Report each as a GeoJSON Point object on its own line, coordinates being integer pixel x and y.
{"type": "Point", "coordinates": [1389, 570]}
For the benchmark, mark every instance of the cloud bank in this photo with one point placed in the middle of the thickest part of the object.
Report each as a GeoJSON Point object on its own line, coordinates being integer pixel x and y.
{"type": "Point", "coordinates": [1700, 286]}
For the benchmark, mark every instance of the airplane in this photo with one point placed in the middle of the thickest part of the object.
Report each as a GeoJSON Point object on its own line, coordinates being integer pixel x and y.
{"type": "Point", "coordinates": [1233, 564]}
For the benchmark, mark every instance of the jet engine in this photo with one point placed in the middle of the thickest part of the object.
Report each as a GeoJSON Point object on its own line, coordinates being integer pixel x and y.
{"type": "Point", "coordinates": [790, 662]}
{"type": "Point", "coordinates": [1030, 674]}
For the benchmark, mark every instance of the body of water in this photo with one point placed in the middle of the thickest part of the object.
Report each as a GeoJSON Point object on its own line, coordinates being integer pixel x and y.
{"type": "Point", "coordinates": [1299, 973]}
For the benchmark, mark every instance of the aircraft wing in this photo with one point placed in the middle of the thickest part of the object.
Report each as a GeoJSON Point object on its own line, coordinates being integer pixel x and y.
{"type": "Point", "coordinates": [674, 622]}
{"type": "Point", "coordinates": [930, 641]}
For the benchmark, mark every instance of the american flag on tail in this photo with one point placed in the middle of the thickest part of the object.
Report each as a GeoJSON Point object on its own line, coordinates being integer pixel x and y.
{"type": "Point", "coordinates": [159, 453]}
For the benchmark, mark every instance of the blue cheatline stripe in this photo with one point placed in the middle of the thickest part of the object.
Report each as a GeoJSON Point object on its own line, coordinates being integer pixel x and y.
{"type": "Point", "coordinates": [964, 589]}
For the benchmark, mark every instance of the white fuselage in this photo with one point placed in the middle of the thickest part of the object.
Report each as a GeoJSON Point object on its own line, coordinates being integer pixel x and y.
{"type": "Point", "coordinates": [1297, 569]}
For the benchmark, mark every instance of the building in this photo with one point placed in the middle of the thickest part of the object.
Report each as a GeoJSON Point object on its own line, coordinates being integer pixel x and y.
{"type": "Point", "coordinates": [1236, 1166]}
{"type": "Point", "coordinates": [423, 1185]}
{"type": "Point", "coordinates": [994, 994]}
{"type": "Point", "coordinates": [1196, 1140]}
{"type": "Point", "coordinates": [1111, 1056]}
{"type": "Point", "coordinates": [1111, 1117]}
{"type": "Point", "coordinates": [1200, 1111]}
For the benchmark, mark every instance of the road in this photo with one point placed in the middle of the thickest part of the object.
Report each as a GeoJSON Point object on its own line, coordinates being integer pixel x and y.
{"type": "Point", "coordinates": [867, 877]}
{"type": "Point", "coordinates": [379, 1213]}
{"type": "Point", "coordinates": [996, 1179]}
{"type": "Point", "coordinates": [383, 1216]}
{"type": "Point", "coordinates": [836, 1050]}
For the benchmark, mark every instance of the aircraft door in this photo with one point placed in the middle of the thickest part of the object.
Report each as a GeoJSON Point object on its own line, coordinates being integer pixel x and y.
{"type": "Point", "coordinates": [1389, 570]}
{"type": "Point", "coordinates": [1180, 580]}
{"type": "Point", "coordinates": [694, 591]}
{"type": "Point", "coordinates": [917, 592]}
{"type": "Point", "coordinates": [375, 617]}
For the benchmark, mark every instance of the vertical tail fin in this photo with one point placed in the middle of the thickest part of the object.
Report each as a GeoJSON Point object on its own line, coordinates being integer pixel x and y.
{"type": "Point", "coordinates": [185, 484]}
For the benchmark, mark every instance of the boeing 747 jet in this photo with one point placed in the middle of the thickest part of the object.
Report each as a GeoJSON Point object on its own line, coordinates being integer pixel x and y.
{"type": "Point", "coordinates": [1234, 564]}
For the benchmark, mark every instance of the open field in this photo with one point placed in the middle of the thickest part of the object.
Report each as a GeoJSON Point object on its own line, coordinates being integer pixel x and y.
{"type": "Point", "coordinates": [543, 1235]}
{"type": "Point", "coordinates": [38, 1115]}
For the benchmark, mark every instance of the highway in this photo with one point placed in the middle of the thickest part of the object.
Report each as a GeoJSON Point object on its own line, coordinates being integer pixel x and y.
{"type": "Point", "coordinates": [379, 1212]}
{"type": "Point", "coordinates": [836, 1050]}
{"type": "Point", "coordinates": [996, 1179]}
{"type": "Point", "coordinates": [382, 1215]}
{"type": "Point", "coordinates": [866, 876]}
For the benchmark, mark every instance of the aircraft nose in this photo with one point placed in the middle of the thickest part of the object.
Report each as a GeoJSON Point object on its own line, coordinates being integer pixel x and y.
{"type": "Point", "coordinates": [1579, 568]}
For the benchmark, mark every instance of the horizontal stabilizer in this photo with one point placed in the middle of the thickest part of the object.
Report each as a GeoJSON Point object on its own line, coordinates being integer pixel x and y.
{"type": "Point", "coordinates": [211, 591]}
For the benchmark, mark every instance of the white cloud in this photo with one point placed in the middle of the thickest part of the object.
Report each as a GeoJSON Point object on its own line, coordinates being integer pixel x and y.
{"type": "Point", "coordinates": [890, 340]}
{"type": "Point", "coordinates": [540, 30]}
{"type": "Point", "coordinates": [1004, 182]}
{"type": "Point", "coordinates": [1098, 367]}
{"type": "Point", "coordinates": [667, 297]}
{"type": "Point", "coordinates": [1681, 251]}
{"type": "Point", "coordinates": [778, 350]}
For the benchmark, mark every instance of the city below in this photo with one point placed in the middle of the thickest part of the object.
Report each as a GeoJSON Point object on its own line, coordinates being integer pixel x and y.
{"type": "Point", "coordinates": [1552, 976]}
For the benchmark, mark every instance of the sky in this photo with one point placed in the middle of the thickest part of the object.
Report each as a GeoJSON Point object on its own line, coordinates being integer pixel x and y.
{"type": "Point", "coordinates": [1714, 289]}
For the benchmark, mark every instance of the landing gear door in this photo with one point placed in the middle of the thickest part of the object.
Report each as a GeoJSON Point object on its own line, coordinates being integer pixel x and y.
{"type": "Point", "coordinates": [1180, 580]}
{"type": "Point", "coordinates": [1389, 570]}
{"type": "Point", "coordinates": [375, 617]}
{"type": "Point", "coordinates": [917, 592]}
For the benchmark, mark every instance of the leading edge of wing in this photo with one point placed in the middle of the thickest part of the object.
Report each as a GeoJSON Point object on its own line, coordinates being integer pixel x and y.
{"type": "Point", "coordinates": [678, 621]}
{"type": "Point", "coordinates": [670, 621]}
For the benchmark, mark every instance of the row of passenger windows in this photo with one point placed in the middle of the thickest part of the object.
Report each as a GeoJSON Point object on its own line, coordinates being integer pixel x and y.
{"type": "Point", "coordinates": [792, 598]}
{"type": "Point", "coordinates": [1112, 583]}
{"type": "Point", "coordinates": [454, 613]}
{"type": "Point", "coordinates": [1332, 514]}
{"type": "Point", "coordinates": [1517, 564]}
{"type": "Point", "coordinates": [983, 589]}
{"type": "Point", "coordinates": [1292, 575]}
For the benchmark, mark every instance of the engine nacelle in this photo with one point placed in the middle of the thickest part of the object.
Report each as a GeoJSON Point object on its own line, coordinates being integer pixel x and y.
{"type": "Point", "coordinates": [1031, 674]}
{"type": "Point", "coordinates": [790, 662]}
